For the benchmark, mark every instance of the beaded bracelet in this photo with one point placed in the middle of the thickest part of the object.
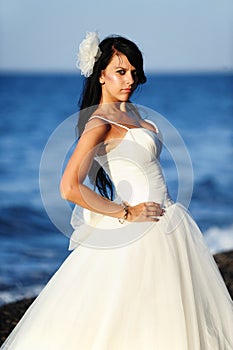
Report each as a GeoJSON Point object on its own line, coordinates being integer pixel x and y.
{"type": "Point", "coordinates": [125, 208]}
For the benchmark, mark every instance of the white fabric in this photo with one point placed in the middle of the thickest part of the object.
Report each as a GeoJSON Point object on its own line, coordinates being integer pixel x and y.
{"type": "Point", "coordinates": [158, 289]}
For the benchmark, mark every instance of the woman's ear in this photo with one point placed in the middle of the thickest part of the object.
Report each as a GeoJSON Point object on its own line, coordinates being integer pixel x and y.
{"type": "Point", "coordinates": [101, 78]}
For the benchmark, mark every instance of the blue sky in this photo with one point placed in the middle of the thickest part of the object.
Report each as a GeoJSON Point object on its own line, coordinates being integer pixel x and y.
{"type": "Point", "coordinates": [174, 35]}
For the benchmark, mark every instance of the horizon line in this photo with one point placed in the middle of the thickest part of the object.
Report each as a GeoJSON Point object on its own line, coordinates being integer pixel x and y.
{"type": "Point", "coordinates": [148, 71]}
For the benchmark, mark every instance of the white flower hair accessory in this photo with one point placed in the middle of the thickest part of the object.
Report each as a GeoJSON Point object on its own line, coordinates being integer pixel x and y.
{"type": "Point", "coordinates": [89, 53]}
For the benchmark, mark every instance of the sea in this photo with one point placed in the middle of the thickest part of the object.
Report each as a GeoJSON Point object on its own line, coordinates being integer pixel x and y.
{"type": "Point", "coordinates": [35, 106]}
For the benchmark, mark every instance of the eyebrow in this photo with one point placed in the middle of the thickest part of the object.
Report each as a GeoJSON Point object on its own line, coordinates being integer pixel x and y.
{"type": "Point", "coordinates": [117, 67]}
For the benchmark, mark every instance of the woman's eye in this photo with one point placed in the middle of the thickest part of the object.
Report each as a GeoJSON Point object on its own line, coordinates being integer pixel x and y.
{"type": "Point", "coordinates": [121, 71]}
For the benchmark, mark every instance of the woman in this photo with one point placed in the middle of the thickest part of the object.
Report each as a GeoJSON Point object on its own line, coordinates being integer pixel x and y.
{"type": "Point", "coordinates": [159, 288]}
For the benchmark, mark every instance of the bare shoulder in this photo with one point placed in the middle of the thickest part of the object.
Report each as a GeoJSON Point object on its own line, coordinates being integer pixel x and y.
{"type": "Point", "coordinates": [96, 128]}
{"type": "Point", "coordinates": [148, 124]}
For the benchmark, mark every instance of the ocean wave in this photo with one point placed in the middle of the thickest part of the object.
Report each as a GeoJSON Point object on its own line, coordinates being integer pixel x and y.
{"type": "Point", "coordinates": [219, 239]}
{"type": "Point", "coordinates": [12, 296]}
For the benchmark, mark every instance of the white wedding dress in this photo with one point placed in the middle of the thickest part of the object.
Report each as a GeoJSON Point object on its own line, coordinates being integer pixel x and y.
{"type": "Point", "coordinates": [132, 286]}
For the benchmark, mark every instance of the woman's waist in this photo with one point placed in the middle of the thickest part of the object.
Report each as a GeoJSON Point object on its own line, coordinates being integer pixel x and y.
{"type": "Point", "coordinates": [134, 197]}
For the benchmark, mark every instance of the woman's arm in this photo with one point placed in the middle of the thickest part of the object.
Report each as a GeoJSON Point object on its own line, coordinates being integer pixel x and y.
{"type": "Point", "coordinates": [73, 189]}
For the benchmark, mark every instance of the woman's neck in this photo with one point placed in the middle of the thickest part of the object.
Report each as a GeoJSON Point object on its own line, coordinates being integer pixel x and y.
{"type": "Point", "coordinates": [113, 107]}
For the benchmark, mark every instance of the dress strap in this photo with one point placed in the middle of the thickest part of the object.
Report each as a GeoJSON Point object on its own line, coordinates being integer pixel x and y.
{"type": "Point", "coordinates": [109, 121]}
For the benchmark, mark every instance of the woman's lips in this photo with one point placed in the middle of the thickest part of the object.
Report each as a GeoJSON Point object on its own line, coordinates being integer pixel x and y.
{"type": "Point", "coordinates": [126, 90]}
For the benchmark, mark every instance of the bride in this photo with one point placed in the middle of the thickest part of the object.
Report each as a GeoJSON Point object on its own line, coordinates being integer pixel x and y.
{"type": "Point", "coordinates": [140, 275]}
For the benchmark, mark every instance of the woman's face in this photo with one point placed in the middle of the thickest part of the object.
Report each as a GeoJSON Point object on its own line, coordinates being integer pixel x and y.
{"type": "Point", "coordinates": [118, 80]}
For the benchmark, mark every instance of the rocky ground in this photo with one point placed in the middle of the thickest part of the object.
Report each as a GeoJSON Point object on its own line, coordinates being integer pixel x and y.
{"type": "Point", "coordinates": [11, 313]}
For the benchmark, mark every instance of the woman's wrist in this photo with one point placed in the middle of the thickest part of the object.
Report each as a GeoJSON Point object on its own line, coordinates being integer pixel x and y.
{"type": "Point", "coordinates": [124, 216]}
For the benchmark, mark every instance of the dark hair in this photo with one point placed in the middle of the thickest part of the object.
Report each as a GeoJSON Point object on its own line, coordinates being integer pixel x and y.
{"type": "Point", "coordinates": [91, 96]}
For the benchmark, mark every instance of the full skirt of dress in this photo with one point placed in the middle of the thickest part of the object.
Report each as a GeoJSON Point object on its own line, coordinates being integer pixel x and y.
{"type": "Point", "coordinates": [159, 292]}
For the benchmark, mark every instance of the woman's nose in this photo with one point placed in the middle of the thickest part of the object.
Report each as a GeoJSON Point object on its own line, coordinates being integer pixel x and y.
{"type": "Point", "coordinates": [129, 78]}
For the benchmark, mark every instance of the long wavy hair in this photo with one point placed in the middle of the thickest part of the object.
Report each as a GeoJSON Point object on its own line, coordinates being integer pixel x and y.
{"type": "Point", "coordinates": [91, 96]}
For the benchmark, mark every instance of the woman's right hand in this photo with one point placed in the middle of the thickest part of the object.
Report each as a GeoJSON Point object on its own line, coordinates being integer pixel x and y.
{"type": "Point", "coordinates": [146, 211]}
